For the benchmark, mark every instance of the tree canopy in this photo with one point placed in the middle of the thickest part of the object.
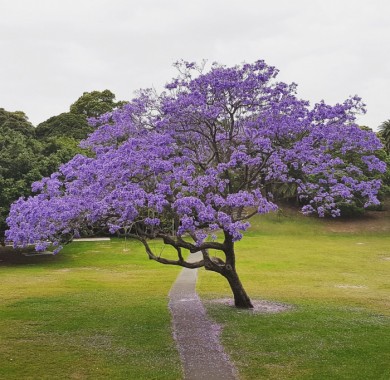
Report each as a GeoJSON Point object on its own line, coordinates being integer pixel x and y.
{"type": "Point", "coordinates": [95, 103]}
{"type": "Point", "coordinates": [191, 165]}
{"type": "Point", "coordinates": [65, 124]}
{"type": "Point", "coordinates": [16, 121]}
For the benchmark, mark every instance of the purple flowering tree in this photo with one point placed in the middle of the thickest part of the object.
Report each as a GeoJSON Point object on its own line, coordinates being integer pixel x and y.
{"type": "Point", "coordinates": [200, 159]}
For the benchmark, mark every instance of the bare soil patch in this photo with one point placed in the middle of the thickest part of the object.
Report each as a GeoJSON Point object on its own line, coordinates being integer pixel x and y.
{"type": "Point", "coordinates": [344, 286]}
{"type": "Point", "coordinates": [371, 221]}
{"type": "Point", "coordinates": [259, 306]}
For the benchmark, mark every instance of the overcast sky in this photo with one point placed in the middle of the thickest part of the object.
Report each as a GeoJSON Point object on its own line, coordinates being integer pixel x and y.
{"type": "Point", "coordinates": [51, 51]}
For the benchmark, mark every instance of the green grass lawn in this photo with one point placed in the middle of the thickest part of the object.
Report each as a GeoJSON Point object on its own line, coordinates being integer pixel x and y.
{"type": "Point", "coordinates": [97, 312]}
{"type": "Point", "coordinates": [91, 312]}
{"type": "Point", "coordinates": [338, 285]}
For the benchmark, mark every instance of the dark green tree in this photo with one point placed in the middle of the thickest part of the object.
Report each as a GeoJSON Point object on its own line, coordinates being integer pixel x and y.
{"type": "Point", "coordinates": [66, 124]}
{"type": "Point", "coordinates": [74, 124]}
{"type": "Point", "coordinates": [17, 121]}
{"type": "Point", "coordinates": [58, 150]}
{"type": "Point", "coordinates": [384, 134]}
{"type": "Point", "coordinates": [20, 160]}
{"type": "Point", "coordinates": [95, 103]}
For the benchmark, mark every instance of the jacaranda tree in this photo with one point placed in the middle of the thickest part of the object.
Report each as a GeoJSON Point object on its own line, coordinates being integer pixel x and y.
{"type": "Point", "coordinates": [191, 165]}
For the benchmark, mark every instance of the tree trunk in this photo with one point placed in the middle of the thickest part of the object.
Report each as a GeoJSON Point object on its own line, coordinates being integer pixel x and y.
{"type": "Point", "coordinates": [241, 298]}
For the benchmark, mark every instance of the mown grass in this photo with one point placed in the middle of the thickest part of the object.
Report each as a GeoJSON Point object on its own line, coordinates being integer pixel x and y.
{"type": "Point", "coordinates": [97, 312]}
{"type": "Point", "coordinates": [338, 285]}
{"type": "Point", "coordinates": [91, 312]}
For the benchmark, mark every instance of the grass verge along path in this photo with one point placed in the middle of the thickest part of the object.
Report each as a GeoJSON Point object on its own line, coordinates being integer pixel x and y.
{"type": "Point", "coordinates": [338, 285]}
{"type": "Point", "coordinates": [91, 312]}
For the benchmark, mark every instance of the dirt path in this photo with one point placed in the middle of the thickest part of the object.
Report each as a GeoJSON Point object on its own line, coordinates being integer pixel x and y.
{"type": "Point", "coordinates": [196, 336]}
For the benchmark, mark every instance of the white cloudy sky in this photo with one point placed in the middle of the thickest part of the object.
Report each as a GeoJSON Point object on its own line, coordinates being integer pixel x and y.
{"type": "Point", "coordinates": [51, 51]}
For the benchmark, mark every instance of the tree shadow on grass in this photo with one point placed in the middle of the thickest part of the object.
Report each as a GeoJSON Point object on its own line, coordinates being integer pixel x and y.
{"type": "Point", "coordinates": [10, 256]}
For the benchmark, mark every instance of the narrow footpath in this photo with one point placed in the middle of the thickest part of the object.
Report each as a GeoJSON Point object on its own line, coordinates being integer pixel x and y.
{"type": "Point", "coordinates": [197, 338]}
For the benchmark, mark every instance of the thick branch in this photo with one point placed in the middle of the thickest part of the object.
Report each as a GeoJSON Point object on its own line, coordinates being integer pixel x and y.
{"type": "Point", "coordinates": [214, 264]}
{"type": "Point", "coordinates": [162, 260]}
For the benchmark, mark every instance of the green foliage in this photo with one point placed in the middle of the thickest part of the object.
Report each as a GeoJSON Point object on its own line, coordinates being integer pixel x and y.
{"type": "Point", "coordinates": [384, 155]}
{"type": "Point", "coordinates": [66, 124]}
{"type": "Point", "coordinates": [384, 135]}
{"type": "Point", "coordinates": [95, 103]}
{"type": "Point", "coordinates": [16, 121]}
{"type": "Point", "coordinates": [20, 160]}
{"type": "Point", "coordinates": [17, 153]}
{"type": "Point", "coordinates": [351, 210]}
{"type": "Point", "coordinates": [58, 150]}
{"type": "Point", "coordinates": [385, 189]}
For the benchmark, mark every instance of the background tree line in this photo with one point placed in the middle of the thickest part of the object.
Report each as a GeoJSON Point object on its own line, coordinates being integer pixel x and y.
{"type": "Point", "coordinates": [28, 153]}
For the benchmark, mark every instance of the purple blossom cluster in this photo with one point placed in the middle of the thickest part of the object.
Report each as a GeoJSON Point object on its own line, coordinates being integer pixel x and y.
{"type": "Point", "coordinates": [206, 154]}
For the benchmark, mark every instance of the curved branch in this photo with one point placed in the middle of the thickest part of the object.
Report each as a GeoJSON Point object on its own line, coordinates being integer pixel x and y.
{"type": "Point", "coordinates": [213, 263]}
{"type": "Point", "coordinates": [180, 262]}
{"type": "Point", "coordinates": [189, 246]}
